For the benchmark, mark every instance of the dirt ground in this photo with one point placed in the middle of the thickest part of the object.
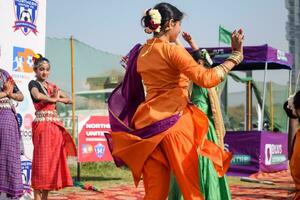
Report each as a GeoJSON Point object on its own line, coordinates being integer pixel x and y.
{"type": "Point", "coordinates": [276, 186]}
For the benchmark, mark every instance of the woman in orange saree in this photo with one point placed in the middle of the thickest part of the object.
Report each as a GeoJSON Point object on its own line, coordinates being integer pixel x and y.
{"type": "Point", "coordinates": [162, 132]}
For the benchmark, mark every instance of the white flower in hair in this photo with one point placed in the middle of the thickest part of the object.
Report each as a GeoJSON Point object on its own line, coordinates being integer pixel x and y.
{"type": "Point", "coordinates": [155, 16]}
{"type": "Point", "coordinates": [155, 20]}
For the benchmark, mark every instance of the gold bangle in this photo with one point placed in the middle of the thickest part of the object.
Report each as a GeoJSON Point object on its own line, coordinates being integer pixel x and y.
{"type": "Point", "coordinates": [221, 71]}
{"type": "Point", "coordinates": [236, 57]}
{"type": "Point", "coordinates": [225, 68]}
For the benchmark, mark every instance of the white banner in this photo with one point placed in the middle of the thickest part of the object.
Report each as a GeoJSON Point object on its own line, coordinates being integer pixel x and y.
{"type": "Point", "coordinates": [23, 27]}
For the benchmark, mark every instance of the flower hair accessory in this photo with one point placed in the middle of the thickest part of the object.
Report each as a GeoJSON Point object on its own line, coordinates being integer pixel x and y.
{"type": "Point", "coordinates": [155, 20]}
{"type": "Point", "coordinates": [36, 57]}
{"type": "Point", "coordinates": [291, 105]}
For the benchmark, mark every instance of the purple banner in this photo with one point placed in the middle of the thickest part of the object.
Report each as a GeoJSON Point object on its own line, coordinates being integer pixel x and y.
{"type": "Point", "coordinates": [255, 57]}
{"type": "Point", "coordinates": [245, 148]}
{"type": "Point", "coordinates": [255, 151]}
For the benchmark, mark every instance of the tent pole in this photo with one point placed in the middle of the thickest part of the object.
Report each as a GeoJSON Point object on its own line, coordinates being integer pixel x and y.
{"type": "Point", "coordinates": [74, 127]}
{"type": "Point", "coordinates": [73, 88]}
{"type": "Point", "coordinates": [290, 83]}
{"type": "Point", "coordinates": [248, 106]}
{"type": "Point", "coordinates": [289, 93]}
{"type": "Point", "coordinates": [264, 98]}
{"type": "Point", "coordinates": [292, 124]}
{"type": "Point", "coordinates": [271, 106]}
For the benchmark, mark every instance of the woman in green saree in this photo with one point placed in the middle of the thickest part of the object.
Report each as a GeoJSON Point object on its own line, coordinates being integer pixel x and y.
{"type": "Point", "coordinates": [212, 186]}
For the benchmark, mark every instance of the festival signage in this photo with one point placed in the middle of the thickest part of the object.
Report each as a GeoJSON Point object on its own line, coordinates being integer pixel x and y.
{"type": "Point", "coordinates": [26, 12]}
{"type": "Point", "coordinates": [22, 35]}
{"type": "Point", "coordinates": [255, 151]}
{"type": "Point", "coordinates": [274, 153]}
{"type": "Point", "coordinates": [92, 145]}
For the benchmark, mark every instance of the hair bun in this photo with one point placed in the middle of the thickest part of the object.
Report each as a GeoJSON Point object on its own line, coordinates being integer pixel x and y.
{"type": "Point", "coordinates": [38, 58]}
{"type": "Point", "coordinates": [289, 111]}
{"type": "Point", "coordinates": [152, 21]}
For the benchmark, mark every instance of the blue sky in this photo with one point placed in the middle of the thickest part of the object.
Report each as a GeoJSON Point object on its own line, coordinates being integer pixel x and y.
{"type": "Point", "coordinates": [114, 26]}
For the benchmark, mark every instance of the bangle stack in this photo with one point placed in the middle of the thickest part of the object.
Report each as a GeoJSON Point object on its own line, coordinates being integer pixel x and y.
{"type": "Point", "coordinates": [236, 57]}
{"type": "Point", "coordinates": [222, 71]}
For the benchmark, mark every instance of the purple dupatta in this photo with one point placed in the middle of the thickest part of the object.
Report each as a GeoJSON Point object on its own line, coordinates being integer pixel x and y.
{"type": "Point", "coordinates": [124, 101]}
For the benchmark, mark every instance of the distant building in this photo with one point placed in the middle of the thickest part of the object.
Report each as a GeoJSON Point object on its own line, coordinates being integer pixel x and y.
{"type": "Point", "coordinates": [293, 34]}
{"type": "Point", "coordinates": [99, 91]}
{"type": "Point", "coordinates": [96, 83]}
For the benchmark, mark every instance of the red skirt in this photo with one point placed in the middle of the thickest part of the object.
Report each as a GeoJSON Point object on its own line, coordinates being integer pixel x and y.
{"type": "Point", "coordinates": [51, 144]}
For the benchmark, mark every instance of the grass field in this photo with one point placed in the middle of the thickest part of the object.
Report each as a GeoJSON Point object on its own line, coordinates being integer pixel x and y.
{"type": "Point", "coordinates": [102, 174]}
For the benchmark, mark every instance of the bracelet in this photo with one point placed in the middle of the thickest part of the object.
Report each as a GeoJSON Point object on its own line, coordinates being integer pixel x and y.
{"type": "Point", "coordinates": [225, 68]}
{"type": "Point", "coordinates": [236, 57]}
{"type": "Point", "coordinates": [222, 71]}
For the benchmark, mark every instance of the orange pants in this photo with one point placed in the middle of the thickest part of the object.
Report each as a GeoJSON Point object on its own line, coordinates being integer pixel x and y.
{"type": "Point", "coordinates": [295, 163]}
{"type": "Point", "coordinates": [177, 152]}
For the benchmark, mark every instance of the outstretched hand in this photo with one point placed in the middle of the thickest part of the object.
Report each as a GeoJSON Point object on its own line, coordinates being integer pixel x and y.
{"type": "Point", "coordinates": [237, 39]}
{"type": "Point", "coordinates": [187, 37]}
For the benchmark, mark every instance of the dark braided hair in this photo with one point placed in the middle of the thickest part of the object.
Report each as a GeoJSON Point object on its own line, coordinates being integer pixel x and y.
{"type": "Point", "coordinates": [296, 102]}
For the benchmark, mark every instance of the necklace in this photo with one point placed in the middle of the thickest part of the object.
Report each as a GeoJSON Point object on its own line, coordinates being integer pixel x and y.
{"type": "Point", "coordinates": [149, 48]}
{"type": "Point", "coordinates": [44, 88]}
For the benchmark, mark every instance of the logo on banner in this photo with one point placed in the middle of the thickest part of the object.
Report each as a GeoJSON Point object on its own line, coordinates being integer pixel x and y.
{"type": "Point", "coordinates": [22, 59]}
{"type": "Point", "coordinates": [26, 12]}
{"type": "Point", "coordinates": [87, 148]}
{"type": "Point", "coordinates": [26, 171]}
{"type": "Point", "coordinates": [20, 120]}
{"type": "Point", "coordinates": [274, 154]}
{"type": "Point", "coordinates": [238, 159]}
{"type": "Point", "coordinates": [241, 159]}
{"type": "Point", "coordinates": [281, 56]}
{"type": "Point", "coordinates": [99, 150]}
{"type": "Point", "coordinates": [220, 53]}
